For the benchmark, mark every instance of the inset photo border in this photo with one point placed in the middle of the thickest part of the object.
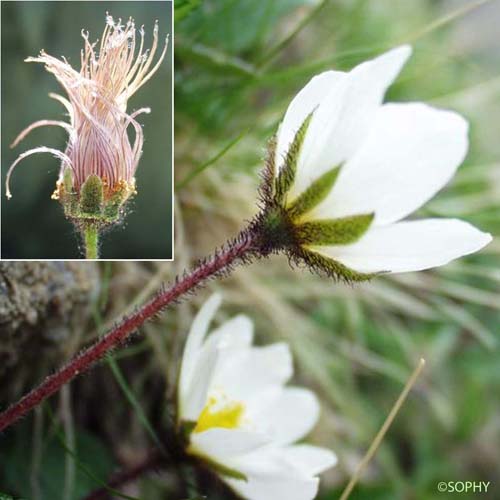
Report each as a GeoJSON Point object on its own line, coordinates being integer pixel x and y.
{"type": "Point", "coordinates": [91, 85]}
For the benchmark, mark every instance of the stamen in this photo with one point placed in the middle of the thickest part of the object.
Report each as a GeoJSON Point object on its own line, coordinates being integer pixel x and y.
{"type": "Point", "coordinates": [220, 413]}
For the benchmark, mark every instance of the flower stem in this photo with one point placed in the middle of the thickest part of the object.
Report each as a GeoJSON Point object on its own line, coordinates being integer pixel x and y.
{"type": "Point", "coordinates": [151, 463]}
{"type": "Point", "coordinates": [240, 250]}
{"type": "Point", "coordinates": [91, 239]}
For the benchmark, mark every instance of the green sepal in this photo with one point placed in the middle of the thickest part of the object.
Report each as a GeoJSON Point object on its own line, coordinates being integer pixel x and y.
{"type": "Point", "coordinates": [113, 206]}
{"type": "Point", "coordinates": [286, 176]}
{"type": "Point", "coordinates": [68, 196]}
{"type": "Point", "coordinates": [314, 194]}
{"type": "Point", "coordinates": [342, 231]}
{"type": "Point", "coordinates": [92, 204]}
{"type": "Point", "coordinates": [68, 180]}
{"type": "Point", "coordinates": [270, 163]}
{"type": "Point", "coordinates": [91, 196]}
{"type": "Point", "coordinates": [333, 268]}
{"type": "Point", "coordinates": [268, 178]}
{"type": "Point", "coordinates": [186, 427]}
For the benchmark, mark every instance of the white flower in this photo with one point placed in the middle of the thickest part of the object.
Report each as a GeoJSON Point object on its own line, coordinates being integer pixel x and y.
{"type": "Point", "coordinates": [241, 418]}
{"type": "Point", "coordinates": [392, 159]}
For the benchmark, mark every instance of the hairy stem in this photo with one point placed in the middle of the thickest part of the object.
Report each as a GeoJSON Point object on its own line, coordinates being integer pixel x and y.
{"type": "Point", "coordinates": [91, 240]}
{"type": "Point", "coordinates": [240, 250]}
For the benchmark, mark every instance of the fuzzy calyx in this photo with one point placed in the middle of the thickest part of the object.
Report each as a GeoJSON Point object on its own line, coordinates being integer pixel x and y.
{"type": "Point", "coordinates": [287, 224]}
{"type": "Point", "coordinates": [94, 202]}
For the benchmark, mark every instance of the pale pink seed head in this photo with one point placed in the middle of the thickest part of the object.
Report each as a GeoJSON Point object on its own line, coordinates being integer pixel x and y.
{"type": "Point", "coordinates": [111, 71]}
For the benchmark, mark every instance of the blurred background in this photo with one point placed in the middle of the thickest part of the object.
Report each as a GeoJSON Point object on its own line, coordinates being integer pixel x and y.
{"type": "Point", "coordinates": [237, 65]}
{"type": "Point", "coordinates": [33, 225]}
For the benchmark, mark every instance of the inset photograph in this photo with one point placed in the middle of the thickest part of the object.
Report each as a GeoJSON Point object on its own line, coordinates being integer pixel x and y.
{"type": "Point", "coordinates": [86, 130]}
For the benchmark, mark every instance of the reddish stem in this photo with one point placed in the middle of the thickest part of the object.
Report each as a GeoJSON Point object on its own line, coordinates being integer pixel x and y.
{"type": "Point", "coordinates": [152, 463]}
{"type": "Point", "coordinates": [241, 249]}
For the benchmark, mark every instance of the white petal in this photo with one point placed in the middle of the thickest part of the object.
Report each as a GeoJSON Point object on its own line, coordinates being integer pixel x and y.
{"type": "Point", "coordinates": [194, 341]}
{"type": "Point", "coordinates": [243, 373]}
{"type": "Point", "coordinates": [412, 151]}
{"type": "Point", "coordinates": [236, 332]}
{"type": "Point", "coordinates": [344, 118]}
{"type": "Point", "coordinates": [287, 414]}
{"type": "Point", "coordinates": [201, 322]}
{"type": "Point", "coordinates": [195, 397]}
{"type": "Point", "coordinates": [221, 444]}
{"type": "Point", "coordinates": [409, 246]}
{"type": "Point", "coordinates": [301, 106]}
{"type": "Point", "coordinates": [267, 487]}
{"type": "Point", "coordinates": [234, 335]}
{"type": "Point", "coordinates": [271, 477]}
{"type": "Point", "coordinates": [310, 459]}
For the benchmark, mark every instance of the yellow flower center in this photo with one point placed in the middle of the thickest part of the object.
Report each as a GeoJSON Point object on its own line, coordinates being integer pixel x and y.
{"type": "Point", "coordinates": [216, 413]}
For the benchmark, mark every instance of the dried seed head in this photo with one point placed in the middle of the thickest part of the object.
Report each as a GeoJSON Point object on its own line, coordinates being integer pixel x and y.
{"type": "Point", "coordinates": [98, 145]}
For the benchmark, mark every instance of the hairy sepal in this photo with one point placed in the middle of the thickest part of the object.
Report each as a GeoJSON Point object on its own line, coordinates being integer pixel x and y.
{"type": "Point", "coordinates": [91, 196]}
{"type": "Point", "coordinates": [330, 267]}
{"type": "Point", "coordinates": [287, 173]}
{"type": "Point", "coordinates": [314, 194]}
{"type": "Point", "coordinates": [94, 204]}
{"type": "Point", "coordinates": [268, 175]}
{"type": "Point", "coordinates": [342, 231]}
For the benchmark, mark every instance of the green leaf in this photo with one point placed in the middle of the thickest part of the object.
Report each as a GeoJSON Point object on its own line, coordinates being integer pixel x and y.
{"type": "Point", "coordinates": [279, 47]}
{"type": "Point", "coordinates": [236, 26]}
{"type": "Point", "coordinates": [117, 373]}
{"type": "Point", "coordinates": [287, 173]}
{"type": "Point", "coordinates": [200, 168]}
{"type": "Point", "coordinates": [342, 231]}
{"type": "Point", "coordinates": [93, 460]}
{"type": "Point", "coordinates": [183, 8]}
{"type": "Point", "coordinates": [314, 194]}
{"type": "Point", "coordinates": [216, 59]}
{"type": "Point", "coordinates": [133, 401]}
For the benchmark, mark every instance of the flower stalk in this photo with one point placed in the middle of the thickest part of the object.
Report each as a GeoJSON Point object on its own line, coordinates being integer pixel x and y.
{"type": "Point", "coordinates": [241, 250]}
{"type": "Point", "coordinates": [91, 237]}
